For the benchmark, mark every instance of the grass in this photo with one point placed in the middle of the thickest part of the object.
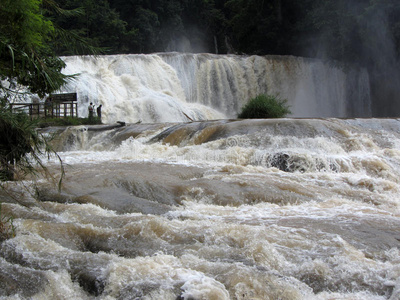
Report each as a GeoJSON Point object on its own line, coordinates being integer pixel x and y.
{"type": "Point", "coordinates": [68, 121]}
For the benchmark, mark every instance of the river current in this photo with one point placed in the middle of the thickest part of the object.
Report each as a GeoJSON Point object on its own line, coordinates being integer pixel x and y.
{"type": "Point", "coordinates": [225, 209]}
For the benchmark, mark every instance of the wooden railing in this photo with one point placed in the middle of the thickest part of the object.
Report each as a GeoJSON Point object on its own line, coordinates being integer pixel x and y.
{"type": "Point", "coordinates": [55, 106]}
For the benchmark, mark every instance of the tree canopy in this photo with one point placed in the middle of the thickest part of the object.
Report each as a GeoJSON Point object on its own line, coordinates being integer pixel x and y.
{"type": "Point", "coordinates": [335, 29]}
{"type": "Point", "coordinates": [28, 65]}
{"type": "Point", "coordinates": [25, 56]}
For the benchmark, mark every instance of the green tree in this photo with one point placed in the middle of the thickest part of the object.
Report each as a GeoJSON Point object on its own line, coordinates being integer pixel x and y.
{"type": "Point", "coordinates": [25, 57]}
{"type": "Point", "coordinates": [96, 24]}
{"type": "Point", "coordinates": [157, 22]}
{"type": "Point", "coordinates": [28, 65]}
{"type": "Point", "coordinates": [255, 26]}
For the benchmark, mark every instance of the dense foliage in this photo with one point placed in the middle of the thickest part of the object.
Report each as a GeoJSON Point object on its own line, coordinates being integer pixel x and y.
{"type": "Point", "coordinates": [25, 57]}
{"type": "Point", "coordinates": [265, 106]}
{"type": "Point", "coordinates": [338, 29]}
{"type": "Point", "coordinates": [28, 65]}
{"type": "Point", "coordinates": [17, 138]}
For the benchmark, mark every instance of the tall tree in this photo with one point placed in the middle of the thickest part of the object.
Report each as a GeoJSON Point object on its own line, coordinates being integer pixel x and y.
{"type": "Point", "coordinates": [28, 64]}
{"type": "Point", "coordinates": [253, 25]}
{"type": "Point", "coordinates": [25, 56]}
{"type": "Point", "coordinates": [98, 25]}
{"type": "Point", "coordinates": [157, 22]}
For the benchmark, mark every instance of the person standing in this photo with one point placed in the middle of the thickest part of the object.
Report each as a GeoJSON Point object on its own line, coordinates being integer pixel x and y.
{"type": "Point", "coordinates": [99, 111]}
{"type": "Point", "coordinates": [90, 108]}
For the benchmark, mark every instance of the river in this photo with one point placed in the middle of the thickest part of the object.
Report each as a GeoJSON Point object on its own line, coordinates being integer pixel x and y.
{"type": "Point", "coordinates": [217, 209]}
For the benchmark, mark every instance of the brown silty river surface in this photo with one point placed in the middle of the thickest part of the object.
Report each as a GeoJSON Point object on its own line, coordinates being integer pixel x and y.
{"type": "Point", "coordinates": [260, 209]}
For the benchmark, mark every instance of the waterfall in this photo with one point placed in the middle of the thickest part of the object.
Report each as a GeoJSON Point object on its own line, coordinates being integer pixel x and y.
{"type": "Point", "coordinates": [178, 87]}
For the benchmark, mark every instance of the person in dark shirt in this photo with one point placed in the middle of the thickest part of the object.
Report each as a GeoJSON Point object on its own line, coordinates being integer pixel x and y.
{"type": "Point", "coordinates": [99, 111]}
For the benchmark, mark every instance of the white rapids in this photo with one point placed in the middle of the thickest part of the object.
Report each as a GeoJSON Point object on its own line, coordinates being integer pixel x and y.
{"type": "Point", "coordinates": [244, 209]}
{"type": "Point", "coordinates": [178, 87]}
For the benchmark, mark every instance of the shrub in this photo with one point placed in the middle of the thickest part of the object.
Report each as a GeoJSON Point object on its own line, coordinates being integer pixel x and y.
{"type": "Point", "coordinates": [265, 106]}
{"type": "Point", "coordinates": [22, 147]}
{"type": "Point", "coordinates": [18, 138]}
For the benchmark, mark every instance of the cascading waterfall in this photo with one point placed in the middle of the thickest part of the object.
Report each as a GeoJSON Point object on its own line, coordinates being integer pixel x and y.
{"type": "Point", "coordinates": [176, 87]}
{"type": "Point", "coordinates": [296, 209]}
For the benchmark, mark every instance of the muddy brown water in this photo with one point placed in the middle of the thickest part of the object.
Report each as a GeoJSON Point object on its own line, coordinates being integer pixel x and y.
{"type": "Point", "coordinates": [262, 209]}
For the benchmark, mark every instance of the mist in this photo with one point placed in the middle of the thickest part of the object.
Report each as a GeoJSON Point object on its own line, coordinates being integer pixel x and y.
{"type": "Point", "coordinates": [194, 40]}
{"type": "Point", "coordinates": [383, 65]}
{"type": "Point", "coordinates": [361, 36]}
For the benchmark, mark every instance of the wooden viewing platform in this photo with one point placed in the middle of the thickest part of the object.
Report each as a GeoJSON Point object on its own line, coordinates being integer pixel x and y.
{"type": "Point", "coordinates": [55, 106]}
